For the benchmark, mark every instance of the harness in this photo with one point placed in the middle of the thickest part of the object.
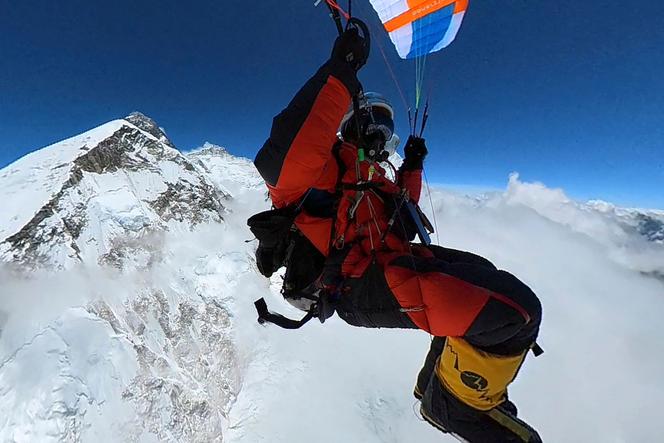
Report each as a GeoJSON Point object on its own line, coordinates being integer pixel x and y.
{"type": "Point", "coordinates": [323, 291]}
{"type": "Point", "coordinates": [321, 308]}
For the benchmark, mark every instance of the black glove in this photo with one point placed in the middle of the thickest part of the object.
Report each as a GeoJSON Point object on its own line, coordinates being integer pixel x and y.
{"type": "Point", "coordinates": [415, 151]}
{"type": "Point", "coordinates": [351, 48]}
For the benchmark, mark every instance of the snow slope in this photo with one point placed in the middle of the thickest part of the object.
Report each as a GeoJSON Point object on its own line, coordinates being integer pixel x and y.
{"type": "Point", "coordinates": [30, 182]}
{"type": "Point", "coordinates": [167, 348]}
{"type": "Point", "coordinates": [98, 195]}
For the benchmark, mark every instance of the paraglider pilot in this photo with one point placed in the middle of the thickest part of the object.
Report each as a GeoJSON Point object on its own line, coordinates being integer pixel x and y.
{"type": "Point", "coordinates": [341, 229]}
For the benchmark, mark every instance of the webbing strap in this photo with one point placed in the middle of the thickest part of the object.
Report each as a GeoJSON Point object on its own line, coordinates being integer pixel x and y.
{"type": "Point", "coordinates": [512, 423]}
{"type": "Point", "coordinates": [265, 316]}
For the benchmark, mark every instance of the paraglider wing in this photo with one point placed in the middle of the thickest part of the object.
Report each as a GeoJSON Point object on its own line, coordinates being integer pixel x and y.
{"type": "Point", "coordinates": [420, 27]}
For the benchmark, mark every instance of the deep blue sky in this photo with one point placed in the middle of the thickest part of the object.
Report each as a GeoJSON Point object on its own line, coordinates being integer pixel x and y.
{"type": "Point", "coordinates": [567, 92]}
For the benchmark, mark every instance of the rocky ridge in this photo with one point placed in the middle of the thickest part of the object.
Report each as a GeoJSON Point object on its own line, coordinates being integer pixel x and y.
{"type": "Point", "coordinates": [116, 200]}
{"type": "Point", "coordinates": [127, 185]}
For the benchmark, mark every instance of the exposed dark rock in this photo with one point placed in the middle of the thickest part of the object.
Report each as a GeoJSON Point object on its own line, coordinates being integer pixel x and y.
{"type": "Point", "coordinates": [196, 336]}
{"type": "Point", "coordinates": [75, 177]}
{"type": "Point", "coordinates": [210, 149]}
{"type": "Point", "coordinates": [102, 310]}
{"type": "Point", "coordinates": [188, 202]}
{"type": "Point", "coordinates": [650, 227]}
{"type": "Point", "coordinates": [25, 243]}
{"type": "Point", "coordinates": [659, 275]}
{"type": "Point", "coordinates": [127, 149]}
{"type": "Point", "coordinates": [148, 125]}
{"type": "Point", "coordinates": [125, 248]}
{"type": "Point", "coordinates": [75, 223]}
{"type": "Point", "coordinates": [111, 154]}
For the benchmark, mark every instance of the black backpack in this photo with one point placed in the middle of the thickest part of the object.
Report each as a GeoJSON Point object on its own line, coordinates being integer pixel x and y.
{"type": "Point", "coordinates": [280, 243]}
{"type": "Point", "coordinates": [275, 231]}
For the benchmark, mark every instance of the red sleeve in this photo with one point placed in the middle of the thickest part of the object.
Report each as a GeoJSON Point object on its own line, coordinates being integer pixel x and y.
{"type": "Point", "coordinates": [312, 147]}
{"type": "Point", "coordinates": [303, 135]}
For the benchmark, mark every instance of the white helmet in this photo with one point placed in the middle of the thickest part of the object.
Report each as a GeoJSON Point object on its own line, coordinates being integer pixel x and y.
{"type": "Point", "coordinates": [368, 101]}
{"type": "Point", "coordinates": [377, 116]}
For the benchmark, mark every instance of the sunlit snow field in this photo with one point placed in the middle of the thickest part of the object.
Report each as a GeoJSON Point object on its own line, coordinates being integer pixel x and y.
{"type": "Point", "coordinates": [600, 379]}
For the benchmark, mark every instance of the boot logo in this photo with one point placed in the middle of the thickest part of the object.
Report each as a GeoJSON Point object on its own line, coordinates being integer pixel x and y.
{"type": "Point", "coordinates": [474, 381]}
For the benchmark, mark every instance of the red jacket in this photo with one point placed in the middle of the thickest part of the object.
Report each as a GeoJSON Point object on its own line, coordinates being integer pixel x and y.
{"type": "Point", "coordinates": [413, 282]}
{"type": "Point", "coordinates": [308, 162]}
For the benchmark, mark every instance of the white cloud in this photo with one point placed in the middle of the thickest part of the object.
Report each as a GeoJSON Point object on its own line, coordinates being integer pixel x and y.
{"type": "Point", "coordinates": [599, 380]}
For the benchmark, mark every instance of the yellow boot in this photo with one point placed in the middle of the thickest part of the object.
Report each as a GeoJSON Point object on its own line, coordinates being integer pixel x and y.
{"type": "Point", "coordinates": [467, 396]}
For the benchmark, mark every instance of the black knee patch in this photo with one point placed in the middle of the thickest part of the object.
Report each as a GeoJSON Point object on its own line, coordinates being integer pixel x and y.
{"type": "Point", "coordinates": [500, 328]}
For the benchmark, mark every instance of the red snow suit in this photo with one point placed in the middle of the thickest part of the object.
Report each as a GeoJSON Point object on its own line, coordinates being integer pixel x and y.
{"type": "Point", "coordinates": [389, 282]}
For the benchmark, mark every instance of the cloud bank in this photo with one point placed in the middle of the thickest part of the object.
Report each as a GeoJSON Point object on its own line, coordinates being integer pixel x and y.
{"type": "Point", "coordinates": [599, 380]}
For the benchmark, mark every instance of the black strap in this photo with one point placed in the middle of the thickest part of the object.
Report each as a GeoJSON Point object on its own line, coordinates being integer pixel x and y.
{"type": "Point", "coordinates": [265, 316]}
{"type": "Point", "coordinates": [537, 350]}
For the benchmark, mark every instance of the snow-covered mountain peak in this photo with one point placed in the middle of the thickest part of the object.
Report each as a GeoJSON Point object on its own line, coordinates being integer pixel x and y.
{"type": "Point", "coordinates": [78, 197]}
{"type": "Point", "coordinates": [30, 182]}
{"type": "Point", "coordinates": [210, 149]}
{"type": "Point", "coordinates": [127, 337]}
{"type": "Point", "coordinates": [145, 123]}
{"type": "Point", "coordinates": [234, 175]}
